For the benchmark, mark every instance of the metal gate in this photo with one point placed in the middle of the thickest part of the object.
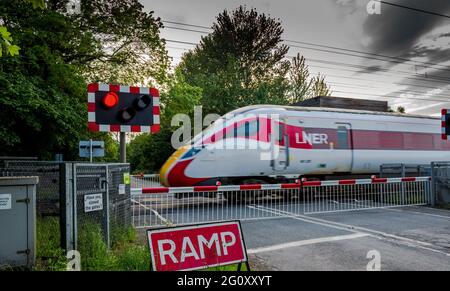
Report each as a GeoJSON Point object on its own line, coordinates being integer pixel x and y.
{"type": "Point", "coordinates": [441, 182]}
{"type": "Point", "coordinates": [349, 195]}
{"type": "Point", "coordinates": [97, 202]}
{"type": "Point", "coordinates": [156, 207]}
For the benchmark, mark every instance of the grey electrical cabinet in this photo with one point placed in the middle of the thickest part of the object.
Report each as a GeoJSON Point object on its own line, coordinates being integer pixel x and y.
{"type": "Point", "coordinates": [17, 221]}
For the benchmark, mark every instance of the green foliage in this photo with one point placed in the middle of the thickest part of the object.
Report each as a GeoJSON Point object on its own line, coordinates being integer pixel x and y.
{"type": "Point", "coordinates": [37, 3]}
{"type": "Point", "coordinates": [6, 43]}
{"type": "Point", "coordinates": [301, 86]}
{"type": "Point", "coordinates": [133, 257]}
{"type": "Point", "coordinates": [50, 257]}
{"type": "Point", "coordinates": [400, 109]}
{"type": "Point", "coordinates": [180, 97]}
{"type": "Point", "coordinates": [243, 62]}
{"type": "Point", "coordinates": [93, 249]}
{"type": "Point", "coordinates": [129, 49]}
{"type": "Point", "coordinates": [43, 90]}
{"type": "Point", "coordinates": [147, 152]}
{"type": "Point", "coordinates": [126, 254]}
{"type": "Point", "coordinates": [5, 36]}
{"type": "Point", "coordinates": [240, 63]}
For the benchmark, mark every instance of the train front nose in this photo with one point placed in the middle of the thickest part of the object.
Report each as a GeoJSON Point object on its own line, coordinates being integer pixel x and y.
{"type": "Point", "coordinates": [170, 163]}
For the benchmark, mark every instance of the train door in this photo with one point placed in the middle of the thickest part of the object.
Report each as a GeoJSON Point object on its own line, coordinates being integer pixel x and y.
{"type": "Point", "coordinates": [344, 147]}
{"type": "Point", "coordinates": [280, 147]}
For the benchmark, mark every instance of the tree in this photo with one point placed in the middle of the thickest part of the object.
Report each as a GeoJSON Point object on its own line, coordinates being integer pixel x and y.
{"type": "Point", "coordinates": [318, 87]}
{"type": "Point", "coordinates": [401, 109]}
{"type": "Point", "coordinates": [148, 152]}
{"type": "Point", "coordinates": [239, 63]}
{"type": "Point", "coordinates": [180, 97]}
{"type": "Point", "coordinates": [243, 62]}
{"type": "Point", "coordinates": [301, 85]}
{"type": "Point", "coordinates": [129, 49]}
{"type": "Point", "coordinates": [43, 90]}
{"type": "Point", "coordinates": [5, 37]}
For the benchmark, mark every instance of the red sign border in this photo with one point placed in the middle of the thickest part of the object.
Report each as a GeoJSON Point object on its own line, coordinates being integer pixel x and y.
{"type": "Point", "coordinates": [444, 114]}
{"type": "Point", "coordinates": [190, 226]}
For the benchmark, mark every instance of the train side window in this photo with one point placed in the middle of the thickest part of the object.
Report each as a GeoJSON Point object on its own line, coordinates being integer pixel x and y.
{"type": "Point", "coordinates": [342, 137]}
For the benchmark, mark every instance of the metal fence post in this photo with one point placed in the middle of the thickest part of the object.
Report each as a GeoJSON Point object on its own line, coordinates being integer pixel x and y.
{"type": "Point", "coordinates": [66, 205]}
{"type": "Point", "coordinates": [433, 184]}
{"type": "Point", "coordinates": [108, 239]}
{"type": "Point", "coordinates": [74, 206]}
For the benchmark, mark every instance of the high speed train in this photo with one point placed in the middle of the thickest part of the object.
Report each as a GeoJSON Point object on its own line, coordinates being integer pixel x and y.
{"type": "Point", "coordinates": [271, 144]}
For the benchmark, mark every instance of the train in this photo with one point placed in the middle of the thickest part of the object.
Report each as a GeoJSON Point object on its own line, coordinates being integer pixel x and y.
{"type": "Point", "coordinates": [277, 144]}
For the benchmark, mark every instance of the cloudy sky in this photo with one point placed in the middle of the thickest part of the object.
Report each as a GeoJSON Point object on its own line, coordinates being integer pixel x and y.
{"type": "Point", "coordinates": [400, 55]}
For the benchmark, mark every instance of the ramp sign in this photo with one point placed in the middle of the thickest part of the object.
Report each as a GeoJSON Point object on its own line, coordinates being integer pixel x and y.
{"type": "Point", "coordinates": [197, 246]}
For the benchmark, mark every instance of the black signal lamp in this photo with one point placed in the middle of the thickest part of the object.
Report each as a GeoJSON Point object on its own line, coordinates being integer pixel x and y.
{"type": "Point", "coordinates": [142, 102]}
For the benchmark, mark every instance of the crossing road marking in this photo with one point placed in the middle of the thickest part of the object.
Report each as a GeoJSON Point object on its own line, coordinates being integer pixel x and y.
{"type": "Point", "coordinates": [357, 229]}
{"type": "Point", "coordinates": [306, 242]}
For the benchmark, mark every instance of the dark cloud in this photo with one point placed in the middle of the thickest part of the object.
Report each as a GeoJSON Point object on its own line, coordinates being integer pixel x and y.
{"type": "Point", "coordinates": [444, 35]}
{"type": "Point", "coordinates": [397, 30]}
{"type": "Point", "coordinates": [434, 55]}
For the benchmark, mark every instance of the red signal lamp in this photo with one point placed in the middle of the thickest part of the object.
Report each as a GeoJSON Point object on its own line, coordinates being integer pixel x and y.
{"type": "Point", "coordinates": [110, 100]}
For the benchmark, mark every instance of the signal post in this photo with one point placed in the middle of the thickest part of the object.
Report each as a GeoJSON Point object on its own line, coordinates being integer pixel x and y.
{"type": "Point", "coordinates": [119, 108]}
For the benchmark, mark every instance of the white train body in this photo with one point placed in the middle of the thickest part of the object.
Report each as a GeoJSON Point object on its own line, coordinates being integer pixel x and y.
{"type": "Point", "coordinates": [280, 142]}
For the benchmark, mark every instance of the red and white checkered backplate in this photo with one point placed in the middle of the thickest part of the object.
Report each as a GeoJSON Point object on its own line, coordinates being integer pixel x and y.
{"type": "Point", "coordinates": [93, 126]}
{"type": "Point", "coordinates": [443, 122]}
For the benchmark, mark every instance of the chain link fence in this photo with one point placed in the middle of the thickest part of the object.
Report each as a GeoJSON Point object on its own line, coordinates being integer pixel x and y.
{"type": "Point", "coordinates": [119, 199]}
{"type": "Point", "coordinates": [91, 203]}
{"type": "Point", "coordinates": [77, 202]}
{"type": "Point", "coordinates": [145, 181]}
{"type": "Point", "coordinates": [48, 189]}
{"type": "Point", "coordinates": [441, 182]}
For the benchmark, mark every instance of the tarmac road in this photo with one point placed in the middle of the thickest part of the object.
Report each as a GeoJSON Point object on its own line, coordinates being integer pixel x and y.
{"type": "Point", "coordinates": [407, 238]}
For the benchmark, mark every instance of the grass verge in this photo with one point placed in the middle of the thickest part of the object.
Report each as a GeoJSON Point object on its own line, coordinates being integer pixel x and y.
{"type": "Point", "coordinates": [127, 252]}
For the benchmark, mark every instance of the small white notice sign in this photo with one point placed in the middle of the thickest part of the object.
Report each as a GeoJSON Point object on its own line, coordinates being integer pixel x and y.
{"type": "Point", "coordinates": [122, 189]}
{"type": "Point", "coordinates": [5, 201]}
{"type": "Point", "coordinates": [93, 202]}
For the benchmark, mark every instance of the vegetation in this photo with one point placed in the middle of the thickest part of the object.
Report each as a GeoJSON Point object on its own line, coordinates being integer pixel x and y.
{"type": "Point", "coordinates": [242, 62]}
{"type": "Point", "coordinates": [50, 256]}
{"type": "Point", "coordinates": [43, 89]}
{"type": "Point", "coordinates": [49, 55]}
{"type": "Point", "coordinates": [127, 253]}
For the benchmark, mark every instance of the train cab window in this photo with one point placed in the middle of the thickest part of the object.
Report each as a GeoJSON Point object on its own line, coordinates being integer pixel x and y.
{"type": "Point", "coordinates": [280, 132]}
{"type": "Point", "coordinates": [247, 129]}
{"type": "Point", "coordinates": [342, 137]}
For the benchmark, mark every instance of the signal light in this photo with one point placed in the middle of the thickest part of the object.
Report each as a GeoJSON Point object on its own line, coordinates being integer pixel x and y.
{"type": "Point", "coordinates": [113, 107]}
{"type": "Point", "coordinates": [126, 114]}
{"type": "Point", "coordinates": [142, 102]}
{"type": "Point", "coordinates": [110, 100]}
